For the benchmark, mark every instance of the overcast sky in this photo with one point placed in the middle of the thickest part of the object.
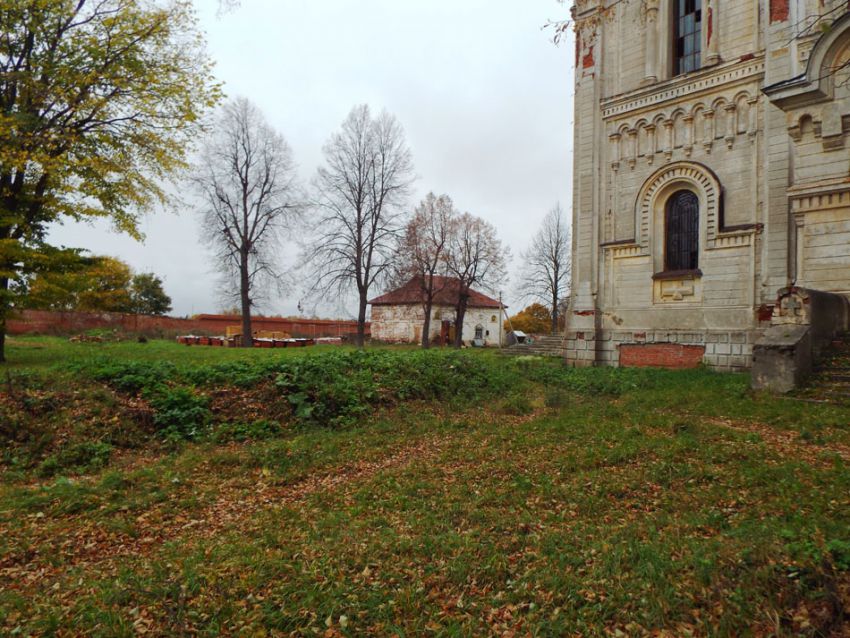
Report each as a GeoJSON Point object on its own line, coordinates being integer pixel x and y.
{"type": "Point", "coordinates": [484, 97]}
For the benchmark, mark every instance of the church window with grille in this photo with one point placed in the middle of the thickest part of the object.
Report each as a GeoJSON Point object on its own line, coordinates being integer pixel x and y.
{"type": "Point", "coordinates": [682, 232]}
{"type": "Point", "coordinates": [687, 41]}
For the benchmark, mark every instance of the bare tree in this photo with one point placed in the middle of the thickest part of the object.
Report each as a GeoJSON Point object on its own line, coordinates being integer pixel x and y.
{"type": "Point", "coordinates": [422, 252]}
{"type": "Point", "coordinates": [247, 182]}
{"type": "Point", "coordinates": [547, 265]}
{"type": "Point", "coordinates": [476, 258]}
{"type": "Point", "coordinates": [360, 193]}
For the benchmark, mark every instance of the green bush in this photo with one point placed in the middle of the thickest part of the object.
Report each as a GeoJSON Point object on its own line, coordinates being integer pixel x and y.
{"type": "Point", "coordinates": [337, 388]}
{"type": "Point", "coordinates": [603, 381]}
{"type": "Point", "coordinates": [242, 374]}
{"type": "Point", "coordinates": [131, 377]}
{"type": "Point", "coordinates": [179, 413]}
{"type": "Point", "coordinates": [80, 458]}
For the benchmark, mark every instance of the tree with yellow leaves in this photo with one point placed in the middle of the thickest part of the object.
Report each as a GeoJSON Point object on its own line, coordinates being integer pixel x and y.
{"type": "Point", "coordinates": [99, 103]}
{"type": "Point", "coordinates": [535, 319]}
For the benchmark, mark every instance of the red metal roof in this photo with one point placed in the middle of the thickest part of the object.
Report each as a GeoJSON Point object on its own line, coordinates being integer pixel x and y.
{"type": "Point", "coordinates": [446, 294]}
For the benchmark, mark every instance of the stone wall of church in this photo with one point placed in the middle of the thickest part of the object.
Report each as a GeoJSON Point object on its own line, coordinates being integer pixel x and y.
{"type": "Point", "coordinates": [723, 350]}
{"type": "Point", "coordinates": [771, 176]}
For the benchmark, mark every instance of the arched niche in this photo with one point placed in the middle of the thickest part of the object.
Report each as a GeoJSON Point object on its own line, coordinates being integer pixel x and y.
{"type": "Point", "coordinates": [658, 188]}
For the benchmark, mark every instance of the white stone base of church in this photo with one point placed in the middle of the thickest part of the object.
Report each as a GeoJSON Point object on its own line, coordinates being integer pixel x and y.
{"type": "Point", "coordinates": [727, 351]}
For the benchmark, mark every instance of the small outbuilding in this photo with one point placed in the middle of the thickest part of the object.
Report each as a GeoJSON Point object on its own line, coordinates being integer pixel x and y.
{"type": "Point", "coordinates": [398, 315]}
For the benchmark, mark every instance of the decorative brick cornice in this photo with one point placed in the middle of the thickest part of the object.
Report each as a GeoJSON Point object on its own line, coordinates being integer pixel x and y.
{"type": "Point", "coordinates": [622, 249]}
{"type": "Point", "coordinates": [691, 85]}
{"type": "Point", "coordinates": [818, 197]}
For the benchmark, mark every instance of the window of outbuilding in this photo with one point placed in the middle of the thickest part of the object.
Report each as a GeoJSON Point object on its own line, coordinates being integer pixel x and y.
{"type": "Point", "coordinates": [687, 35]}
{"type": "Point", "coordinates": [681, 227]}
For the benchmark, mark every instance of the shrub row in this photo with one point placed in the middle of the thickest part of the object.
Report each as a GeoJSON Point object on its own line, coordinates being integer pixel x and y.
{"type": "Point", "coordinates": [330, 389]}
{"type": "Point", "coordinates": [337, 388]}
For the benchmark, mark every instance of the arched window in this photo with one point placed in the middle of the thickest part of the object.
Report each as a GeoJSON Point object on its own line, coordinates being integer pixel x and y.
{"type": "Point", "coordinates": [681, 228]}
{"type": "Point", "coordinates": [687, 35]}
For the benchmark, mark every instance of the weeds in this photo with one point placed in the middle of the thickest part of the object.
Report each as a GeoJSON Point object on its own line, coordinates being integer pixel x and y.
{"type": "Point", "coordinates": [179, 414]}
{"type": "Point", "coordinates": [76, 458]}
{"type": "Point", "coordinates": [516, 405]}
{"type": "Point", "coordinates": [254, 431]}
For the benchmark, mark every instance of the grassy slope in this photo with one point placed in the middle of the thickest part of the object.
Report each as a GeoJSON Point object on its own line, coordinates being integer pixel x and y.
{"type": "Point", "coordinates": [683, 504]}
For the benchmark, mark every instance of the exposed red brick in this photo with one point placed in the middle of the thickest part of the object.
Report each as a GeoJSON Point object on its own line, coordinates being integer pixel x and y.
{"type": "Point", "coordinates": [710, 25]}
{"type": "Point", "coordinates": [66, 323]}
{"type": "Point", "coordinates": [778, 10]}
{"type": "Point", "coordinates": [587, 60]}
{"type": "Point", "coordinates": [765, 312]}
{"type": "Point", "coordinates": [747, 56]}
{"type": "Point", "coordinates": [675, 356]}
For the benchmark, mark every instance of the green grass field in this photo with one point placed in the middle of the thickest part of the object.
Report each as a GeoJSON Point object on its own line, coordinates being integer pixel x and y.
{"type": "Point", "coordinates": [163, 490]}
{"type": "Point", "coordinates": [31, 353]}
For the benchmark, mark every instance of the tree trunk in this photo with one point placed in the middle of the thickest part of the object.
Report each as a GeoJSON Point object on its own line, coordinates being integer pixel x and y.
{"type": "Point", "coordinates": [4, 311]}
{"type": "Point", "coordinates": [360, 339]}
{"type": "Point", "coordinates": [554, 314]}
{"type": "Point", "coordinates": [459, 316]}
{"type": "Point", "coordinates": [245, 295]}
{"type": "Point", "coordinates": [426, 325]}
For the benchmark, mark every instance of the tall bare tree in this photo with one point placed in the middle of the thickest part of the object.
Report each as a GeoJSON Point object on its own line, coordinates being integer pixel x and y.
{"type": "Point", "coordinates": [422, 252]}
{"type": "Point", "coordinates": [547, 265]}
{"type": "Point", "coordinates": [247, 181]}
{"type": "Point", "coordinates": [360, 193]}
{"type": "Point", "coordinates": [475, 257]}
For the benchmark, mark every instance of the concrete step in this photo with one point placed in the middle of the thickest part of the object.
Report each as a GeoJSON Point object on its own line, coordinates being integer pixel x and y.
{"type": "Point", "coordinates": [833, 376]}
{"type": "Point", "coordinates": [541, 346]}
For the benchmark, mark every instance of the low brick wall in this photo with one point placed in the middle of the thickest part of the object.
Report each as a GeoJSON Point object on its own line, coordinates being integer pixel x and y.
{"type": "Point", "coordinates": [661, 355]}
{"type": "Point", "coordinates": [42, 322]}
{"type": "Point", "coordinates": [308, 328]}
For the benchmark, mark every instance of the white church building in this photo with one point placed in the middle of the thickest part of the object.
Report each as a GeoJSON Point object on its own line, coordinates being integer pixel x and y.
{"type": "Point", "coordinates": [712, 169]}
